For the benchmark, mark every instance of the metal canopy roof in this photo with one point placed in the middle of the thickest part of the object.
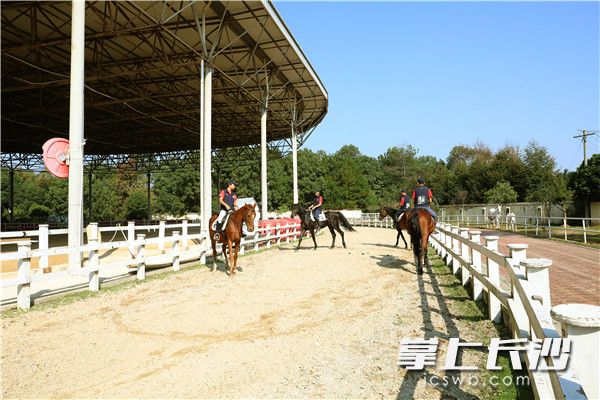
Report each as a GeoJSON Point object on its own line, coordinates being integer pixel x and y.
{"type": "Point", "coordinates": [143, 75]}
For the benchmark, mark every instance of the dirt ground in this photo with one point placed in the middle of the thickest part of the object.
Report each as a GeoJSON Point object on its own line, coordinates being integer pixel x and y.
{"type": "Point", "coordinates": [318, 324]}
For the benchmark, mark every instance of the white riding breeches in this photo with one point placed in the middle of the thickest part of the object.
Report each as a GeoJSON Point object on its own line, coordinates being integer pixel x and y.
{"type": "Point", "coordinates": [222, 215]}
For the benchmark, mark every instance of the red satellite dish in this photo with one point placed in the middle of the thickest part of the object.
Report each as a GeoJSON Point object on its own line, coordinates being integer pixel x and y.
{"type": "Point", "coordinates": [56, 157]}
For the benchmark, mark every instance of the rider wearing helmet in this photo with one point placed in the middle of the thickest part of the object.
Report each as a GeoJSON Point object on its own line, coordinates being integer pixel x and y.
{"type": "Point", "coordinates": [422, 197]}
{"type": "Point", "coordinates": [317, 204]}
{"type": "Point", "coordinates": [403, 205]}
{"type": "Point", "coordinates": [228, 202]}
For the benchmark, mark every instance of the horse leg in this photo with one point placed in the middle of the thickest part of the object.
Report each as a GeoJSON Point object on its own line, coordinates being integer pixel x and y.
{"type": "Point", "coordinates": [235, 256]}
{"type": "Point", "coordinates": [341, 232]}
{"type": "Point", "coordinates": [312, 234]}
{"type": "Point", "coordinates": [404, 240]}
{"type": "Point", "coordinates": [332, 236]}
{"type": "Point", "coordinates": [231, 258]}
{"type": "Point", "coordinates": [214, 249]}
{"type": "Point", "coordinates": [398, 238]}
{"type": "Point", "coordinates": [302, 232]}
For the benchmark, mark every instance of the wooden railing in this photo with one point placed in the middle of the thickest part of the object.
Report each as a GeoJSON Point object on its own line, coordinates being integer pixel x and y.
{"type": "Point", "coordinates": [174, 249]}
{"type": "Point", "coordinates": [526, 309]}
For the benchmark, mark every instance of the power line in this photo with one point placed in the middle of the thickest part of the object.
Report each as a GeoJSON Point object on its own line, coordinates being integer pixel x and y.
{"type": "Point", "coordinates": [584, 135]}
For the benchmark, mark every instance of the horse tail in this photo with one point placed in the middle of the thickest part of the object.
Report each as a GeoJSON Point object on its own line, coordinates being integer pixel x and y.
{"type": "Point", "coordinates": [415, 232]}
{"type": "Point", "coordinates": [344, 222]}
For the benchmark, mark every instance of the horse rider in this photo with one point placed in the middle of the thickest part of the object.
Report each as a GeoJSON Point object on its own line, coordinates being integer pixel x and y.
{"type": "Point", "coordinates": [422, 197]}
{"type": "Point", "coordinates": [228, 202]}
{"type": "Point", "coordinates": [316, 206]}
{"type": "Point", "coordinates": [403, 205]}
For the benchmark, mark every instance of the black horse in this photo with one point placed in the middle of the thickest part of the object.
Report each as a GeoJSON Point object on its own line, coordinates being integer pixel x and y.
{"type": "Point", "coordinates": [398, 223]}
{"type": "Point", "coordinates": [333, 221]}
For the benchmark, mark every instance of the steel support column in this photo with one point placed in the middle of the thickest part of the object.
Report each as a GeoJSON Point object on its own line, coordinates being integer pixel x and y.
{"type": "Point", "coordinates": [90, 195]}
{"type": "Point", "coordinates": [148, 205]}
{"type": "Point", "coordinates": [263, 164]}
{"type": "Point", "coordinates": [206, 206]}
{"type": "Point", "coordinates": [11, 194]}
{"type": "Point", "coordinates": [295, 163]}
{"type": "Point", "coordinates": [76, 135]}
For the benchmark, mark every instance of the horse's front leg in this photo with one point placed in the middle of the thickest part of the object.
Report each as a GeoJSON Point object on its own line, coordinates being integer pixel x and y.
{"type": "Point", "coordinates": [235, 256]}
{"type": "Point", "coordinates": [302, 232]}
{"type": "Point", "coordinates": [398, 238]}
{"type": "Point", "coordinates": [312, 234]}
{"type": "Point", "coordinates": [231, 258]}
{"type": "Point", "coordinates": [224, 253]}
{"type": "Point", "coordinates": [214, 253]}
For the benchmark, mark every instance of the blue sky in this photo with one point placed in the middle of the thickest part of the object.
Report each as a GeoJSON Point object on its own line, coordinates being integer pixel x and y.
{"type": "Point", "coordinates": [439, 74]}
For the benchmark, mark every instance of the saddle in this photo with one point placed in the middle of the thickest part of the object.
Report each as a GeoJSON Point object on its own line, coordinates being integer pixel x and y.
{"type": "Point", "coordinates": [322, 217]}
{"type": "Point", "coordinates": [225, 221]}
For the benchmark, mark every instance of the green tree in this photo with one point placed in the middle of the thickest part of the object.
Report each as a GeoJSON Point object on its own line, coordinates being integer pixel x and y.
{"type": "Point", "coordinates": [502, 193]}
{"type": "Point", "coordinates": [136, 205]}
{"type": "Point", "coordinates": [39, 213]}
{"type": "Point", "coordinates": [585, 182]}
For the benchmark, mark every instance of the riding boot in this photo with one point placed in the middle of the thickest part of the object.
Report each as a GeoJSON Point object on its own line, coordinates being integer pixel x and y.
{"type": "Point", "coordinates": [218, 228]}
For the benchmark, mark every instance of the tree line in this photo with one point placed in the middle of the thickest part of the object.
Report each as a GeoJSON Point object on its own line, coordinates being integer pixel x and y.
{"type": "Point", "coordinates": [347, 178]}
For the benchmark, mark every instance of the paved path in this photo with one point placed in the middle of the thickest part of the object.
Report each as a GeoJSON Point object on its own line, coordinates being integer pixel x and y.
{"type": "Point", "coordinates": [575, 274]}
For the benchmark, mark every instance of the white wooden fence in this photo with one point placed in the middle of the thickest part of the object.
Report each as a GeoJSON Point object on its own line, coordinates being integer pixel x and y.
{"type": "Point", "coordinates": [557, 227]}
{"type": "Point", "coordinates": [174, 255]}
{"type": "Point", "coordinates": [526, 310]}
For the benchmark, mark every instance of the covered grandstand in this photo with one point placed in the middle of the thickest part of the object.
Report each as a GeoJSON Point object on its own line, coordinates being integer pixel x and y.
{"type": "Point", "coordinates": [160, 82]}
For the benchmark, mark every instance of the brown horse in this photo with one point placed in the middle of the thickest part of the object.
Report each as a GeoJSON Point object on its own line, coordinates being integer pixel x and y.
{"type": "Point", "coordinates": [232, 235]}
{"type": "Point", "coordinates": [399, 223]}
{"type": "Point", "coordinates": [420, 226]}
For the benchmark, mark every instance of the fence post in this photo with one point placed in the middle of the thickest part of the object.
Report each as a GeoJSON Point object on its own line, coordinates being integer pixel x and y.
{"type": "Point", "coordinates": [184, 234]}
{"type": "Point", "coordinates": [287, 232]}
{"type": "Point", "coordinates": [256, 235]}
{"type": "Point", "coordinates": [537, 274]}
{"type": "Point", "coordinates": [141, 262]}
{"type": "Point", "coordinates": [24, 275]}
{"type": "Point", "coordinates": [131, 237]}
{"type": "Point", "coordinates": [537, 225]}
{"type": "Point", "coordinates": [518, 253]}
{"type": "Point", "coordinates": [456, 250]}
{"type": "Point", "coordinates": [268, 243]}
{"type": "Point", "coordinates": [449, 246]}
{"type": "Point", "coordinates": [175, 251]}
{"type": "Point", "coordinates": [549, 228]}
{"type": "Point", "coordinates": [476, 263]}
{"type": "Point", "coordinates": [493, 273]}
{"type": "Point", "coordinates": [584, 232]}
{"type": "Point", "coordinates": [161, 236]}
{"type": "Point", "coordinates": [565, 227]}
{"type": "Point", "coordinates": [43, 245]}
{"type": "Point", "coordinates": [442, 237]}
{"type": "Point", "coordinates": [466, 255]}
{"type": "Point", "coordinates": [93, 258]}
{"type": "Point", "coordinates": [581, 324]}
{"type": "Point", "coordinates": [278, 233]}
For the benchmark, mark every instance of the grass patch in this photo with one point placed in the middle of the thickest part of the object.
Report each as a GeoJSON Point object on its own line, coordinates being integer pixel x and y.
{"type": "Point", "coordinates": [474, 326]}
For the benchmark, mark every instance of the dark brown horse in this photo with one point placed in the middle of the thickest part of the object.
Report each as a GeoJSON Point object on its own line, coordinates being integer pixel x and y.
{"type": "Point", "coordinates": [334, 219]}
{"type": "Point", "coordinates": [399, 223]}
{"type": "Point", "coordinates": [232, 234]}
{"type": "Point", "coordinates": [420, 226]}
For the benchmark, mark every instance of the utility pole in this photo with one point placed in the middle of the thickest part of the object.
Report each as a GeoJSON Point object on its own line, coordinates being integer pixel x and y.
{"type": "Point", "coordinates": [584, 135]}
